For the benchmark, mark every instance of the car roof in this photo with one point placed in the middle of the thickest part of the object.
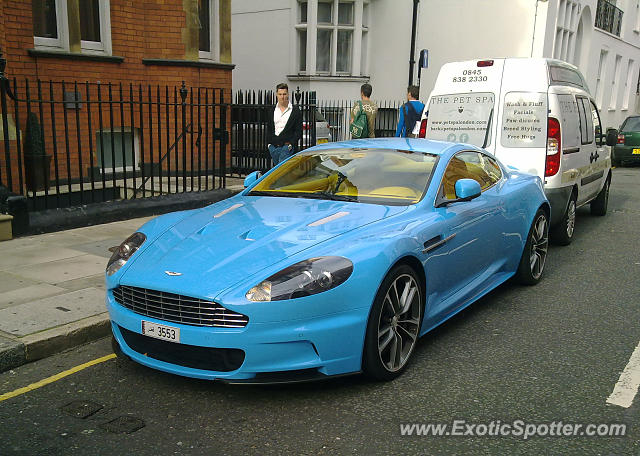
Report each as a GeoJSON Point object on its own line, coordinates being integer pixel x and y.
{"type": "Point", "coordinates": [410, 144]}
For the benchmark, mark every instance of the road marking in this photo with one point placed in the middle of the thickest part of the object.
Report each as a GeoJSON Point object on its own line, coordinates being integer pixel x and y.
{"type": "Point", "coordinates": [55, 378]}
{"type": "Point", "coordinates": [627, 386]}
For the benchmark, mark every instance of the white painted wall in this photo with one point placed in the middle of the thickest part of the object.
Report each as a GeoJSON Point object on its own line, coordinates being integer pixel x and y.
{"type": "Point", "coordinates": [260, 43]}
{"type": "Point", "coordinates": [264, 45]}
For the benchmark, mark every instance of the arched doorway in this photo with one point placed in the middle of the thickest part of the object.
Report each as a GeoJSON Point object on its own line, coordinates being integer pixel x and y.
{"type": "Point", "coordinates": [583, 40]}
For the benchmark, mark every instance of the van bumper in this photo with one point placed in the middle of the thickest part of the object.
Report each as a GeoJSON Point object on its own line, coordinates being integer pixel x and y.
{"type": "Point", "coordinates": [558, 199]}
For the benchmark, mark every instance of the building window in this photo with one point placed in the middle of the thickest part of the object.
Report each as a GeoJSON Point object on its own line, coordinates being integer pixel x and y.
{"type": "Point", "coordinates": [566, 25]}
{"type": "Point", "coordinates": [628, 84]}
{"type": "Point", "coordinates": [609, 17]}
{"type": "Point", "coordinates": [208, 25]}
{"type": "Point", "coordinates": [601, 65]}
{"type": "Point", "coordinates": [118, 149]}
{"type": "Point", "coordinates": [614, 83]}
{"type": "Point", "coordinates": [339, 27]}
{"type": "Point", "coordinates": [51, 26]}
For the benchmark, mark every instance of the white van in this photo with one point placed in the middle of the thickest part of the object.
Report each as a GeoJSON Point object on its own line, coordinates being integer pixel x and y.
{"type": "Point", "coordinates": [536, 115]}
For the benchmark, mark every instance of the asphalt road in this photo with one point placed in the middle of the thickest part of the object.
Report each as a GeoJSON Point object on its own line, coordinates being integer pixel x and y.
{"type": "Point", "coordinates": [540, 354]}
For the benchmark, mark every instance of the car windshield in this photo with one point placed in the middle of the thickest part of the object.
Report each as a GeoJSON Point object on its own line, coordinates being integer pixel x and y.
{"type": "Point", "coordinates": [377, 176]}
{"type": "Point", "coordinates": [631, 124]}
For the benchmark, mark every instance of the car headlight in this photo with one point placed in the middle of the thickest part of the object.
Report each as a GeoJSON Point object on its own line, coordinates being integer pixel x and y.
{"type": "Point", "coordinates": [123, 252]}
{"type": "Point", "coordinates": [305, 278]}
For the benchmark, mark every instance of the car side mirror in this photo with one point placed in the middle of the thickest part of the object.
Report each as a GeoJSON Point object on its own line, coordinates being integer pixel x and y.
{"type": "Point", "coordinates": [612, 137]}
{"type": "Point", "coordinates": [252, 178]}
{"type": "Point", "coordinates": [467, 189]}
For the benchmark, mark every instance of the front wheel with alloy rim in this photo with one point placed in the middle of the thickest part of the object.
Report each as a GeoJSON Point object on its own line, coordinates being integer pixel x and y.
{"type": "Point", "coordinates": [535, 250]}
{"type": "Point", "coordinates": [563, 233]}
{"type": "Point", "coordinates": [394, 324]}
{"type": "Point", "coordinates": [601, 203]}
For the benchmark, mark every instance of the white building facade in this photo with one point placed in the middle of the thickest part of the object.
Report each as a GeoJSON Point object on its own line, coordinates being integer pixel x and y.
{"type": "Point", "coordinates": [334, 46]}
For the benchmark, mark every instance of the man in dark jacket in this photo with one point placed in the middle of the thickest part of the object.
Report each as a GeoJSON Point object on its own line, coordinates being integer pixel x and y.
{"type": "Point", "coordinates": [284, 126]}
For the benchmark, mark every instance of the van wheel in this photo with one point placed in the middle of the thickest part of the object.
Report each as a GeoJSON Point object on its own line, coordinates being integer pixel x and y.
{"type": "Point", "coordinates": [535, 251]}
{"type": "Point", "coordinates": [563, 233]}
{"type": "Point", "coordinates": [600, 204]}
{"type": "Point", "coordinates": [394, 325]}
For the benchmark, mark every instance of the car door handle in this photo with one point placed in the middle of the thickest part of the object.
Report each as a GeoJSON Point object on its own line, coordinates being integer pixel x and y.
{"type": "Point", "coordinates": [436, 242]}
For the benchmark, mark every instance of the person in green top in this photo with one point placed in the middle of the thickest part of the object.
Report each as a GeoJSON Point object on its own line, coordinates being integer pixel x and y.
{"type": "Point", "coordinates": [368, 106]}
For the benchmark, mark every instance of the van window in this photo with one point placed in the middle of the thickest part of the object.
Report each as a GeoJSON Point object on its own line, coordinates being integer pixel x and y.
{"type": "Point", "coordinates": [562, 75]}
{"type": "Point", "coordinates": [524, 120]}
{"type": "Point", "coordinates": [586, 120]}
{"type": "Point", "coordinates": [461, 117]}
{"type": "Point", "coordinates": [597, 126]}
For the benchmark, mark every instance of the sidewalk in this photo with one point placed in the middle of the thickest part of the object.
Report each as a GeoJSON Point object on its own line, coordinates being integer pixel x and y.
{"type": "Point", "coordinates": [52, 290]}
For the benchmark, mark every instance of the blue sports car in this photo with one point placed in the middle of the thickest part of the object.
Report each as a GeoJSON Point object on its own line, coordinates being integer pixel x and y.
{"type": "Point", "coordinates": [334, 262]}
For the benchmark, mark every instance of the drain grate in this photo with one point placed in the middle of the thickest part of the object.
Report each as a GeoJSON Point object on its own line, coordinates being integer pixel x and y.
{"type": "Point", "coordinates": [123, 425]}
{"type": "Point", "coordinates": [81, 409]}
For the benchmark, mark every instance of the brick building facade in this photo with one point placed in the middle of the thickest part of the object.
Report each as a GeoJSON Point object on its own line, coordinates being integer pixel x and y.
{"type": "Point", "coordinates": [145, 48]}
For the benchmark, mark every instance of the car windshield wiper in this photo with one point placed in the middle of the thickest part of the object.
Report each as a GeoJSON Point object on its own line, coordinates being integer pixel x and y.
{"type": "Point", "coordinates": [333, 196]}
{"type": "Point", "coordinates": [274, 193]}
{"type": "Point", "coordinates": [313, 195]}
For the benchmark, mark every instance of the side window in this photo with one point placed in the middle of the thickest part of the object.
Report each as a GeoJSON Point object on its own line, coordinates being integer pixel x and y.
{"type": "Point", "coordinates": [491, 168]}
{"type": "Point", "coordinates": [586, 120]}
{"type": "Point", "coordinates": [597, 125]}
{"type": "Point", "coordinates": [469, 165]}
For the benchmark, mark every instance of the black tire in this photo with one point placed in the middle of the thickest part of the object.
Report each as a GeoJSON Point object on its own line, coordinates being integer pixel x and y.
{"type": "Point", "coordinates": [390, 339]}
{"type": "Point", "coordinates": [601, 203]}
{"type": "Point", "coordinates": [563, 233]}
{"type": "Point", "coordinates": [535, 250]}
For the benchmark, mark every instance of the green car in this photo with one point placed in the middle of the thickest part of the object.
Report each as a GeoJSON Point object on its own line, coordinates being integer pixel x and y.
{"type": "Point", "coordinates": [628, 148]}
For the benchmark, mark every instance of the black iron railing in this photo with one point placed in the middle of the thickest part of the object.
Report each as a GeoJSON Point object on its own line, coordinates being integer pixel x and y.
{"type": "Point", "coordinates": [250, 111]}
{"type": "Point", "coordinates": [608, 17]}
{"type": "Point", "coordinates": [68, 144]}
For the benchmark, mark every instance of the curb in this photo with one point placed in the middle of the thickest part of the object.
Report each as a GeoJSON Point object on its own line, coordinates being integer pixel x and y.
{"type": "Point", "coordinates": [15, 353]}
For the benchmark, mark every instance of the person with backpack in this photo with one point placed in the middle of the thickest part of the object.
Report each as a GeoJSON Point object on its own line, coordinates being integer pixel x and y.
{"type": "Point", "coordinates": [410, 114]}
{"type": "Point", "coordinates": [363, 115]}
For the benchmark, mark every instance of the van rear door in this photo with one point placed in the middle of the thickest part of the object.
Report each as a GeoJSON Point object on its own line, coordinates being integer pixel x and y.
{"type": "Point", "coordinates": [523, 115]}
{"type": "Point", "coordinates": [462, 105]}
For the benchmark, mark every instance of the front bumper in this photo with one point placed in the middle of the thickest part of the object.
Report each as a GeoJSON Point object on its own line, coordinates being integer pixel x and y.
{"type": "Point", "coordinates": [314, 348]}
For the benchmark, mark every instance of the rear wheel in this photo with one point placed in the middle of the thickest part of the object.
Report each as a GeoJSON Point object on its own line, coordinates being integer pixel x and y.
{"type": "Point", "coordinates": [394, 324]}
{"type": "Point", "coordinates": [600, 204]}
{"type": "Point", "coordinates": [535, 250]}
{"type": "Point", "coordinates": [563, 233]}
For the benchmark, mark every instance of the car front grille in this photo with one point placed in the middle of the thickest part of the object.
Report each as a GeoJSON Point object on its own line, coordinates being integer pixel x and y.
{"type": "Point", "coordinates": [205, 358]}
{"type": "Point", "coordinates": [177, 308]}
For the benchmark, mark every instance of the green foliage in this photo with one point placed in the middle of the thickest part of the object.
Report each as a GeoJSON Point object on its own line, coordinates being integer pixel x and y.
{"type": "Point", "coordinates": [33, 142]}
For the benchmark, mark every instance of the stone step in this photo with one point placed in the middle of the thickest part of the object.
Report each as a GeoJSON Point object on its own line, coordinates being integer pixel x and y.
{"type": "Point", "coordinates": [5, 227]}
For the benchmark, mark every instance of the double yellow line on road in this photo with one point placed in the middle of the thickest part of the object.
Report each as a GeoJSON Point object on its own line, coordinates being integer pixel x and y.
{"type": "Point", "coordinates": [55, 378]}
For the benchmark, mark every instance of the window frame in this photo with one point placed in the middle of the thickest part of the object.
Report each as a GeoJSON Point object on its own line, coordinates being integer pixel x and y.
{"type": "Point", "coordinates": [62, 24]}
{"type": "Point", "coordinates": [334, 28]}
{"type": "Point", "coordinates": [582, 114]}
{"type": "Point", "coordinates": [62, 43]}
{"type": "Point", "coordinates": [441, 195]}
{"type": "Point", "coordinates": [599, 139]}
{"type": "Point", "coordinates": [214, 35]}
{"type": "Point", "coordinates": [104, 45]}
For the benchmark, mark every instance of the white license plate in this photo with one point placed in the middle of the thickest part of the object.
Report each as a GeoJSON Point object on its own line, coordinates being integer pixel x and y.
{"type": "Point", "coordinates": [161, 331]}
